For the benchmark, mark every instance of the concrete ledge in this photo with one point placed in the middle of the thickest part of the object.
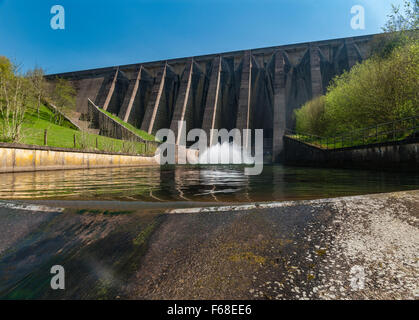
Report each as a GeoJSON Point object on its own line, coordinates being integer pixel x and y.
{"type": "Point", "coordinates": [399, 155]}
{"type": "Point", "coordinates": [26, 158]}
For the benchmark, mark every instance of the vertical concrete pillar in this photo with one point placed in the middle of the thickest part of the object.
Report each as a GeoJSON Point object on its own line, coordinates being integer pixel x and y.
{"type": "Point", "coordinates": [154, 102]}
{"type": "Point", "coordinates": [279, 105]}
{"type": "Point", "coordinates": [211, 112]}
{"type": "Point", "coordinates": [111, 90]}
{"type": "Point", "coordinates": [126, 108]}
{"type": "Point", "coordinates": [351, 51]}
{"type": "Point", "coordinates": [244, 112]}
{"type": "Point", "coordinates": [182, 100]}
{"type": "Point", "coordinates": [316, 75]}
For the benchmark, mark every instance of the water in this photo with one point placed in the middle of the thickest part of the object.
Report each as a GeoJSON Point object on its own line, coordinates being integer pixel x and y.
{"type": "Point", "coordinates": [204, 183]}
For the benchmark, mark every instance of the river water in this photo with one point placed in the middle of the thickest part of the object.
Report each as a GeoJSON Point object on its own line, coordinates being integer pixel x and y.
{"type": "Point", "coordinates": [221, 183]}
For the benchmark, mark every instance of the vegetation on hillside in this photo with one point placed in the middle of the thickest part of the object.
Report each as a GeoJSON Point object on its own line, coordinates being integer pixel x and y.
{"type": "Point", "coordinates": [63, 135]}
{"type": "Point", "coordinates": [403, 21]}
{"type": "Point", "coordinates": [20, 93]}
{"type": "Point", "coordinates": [139, 132]}
{"type": "Point", "coordinates": [382, 88]}
{"type": "Point", "coordinates": [24, 118]}
{"type": "Point", "coordinates": [14, 99]}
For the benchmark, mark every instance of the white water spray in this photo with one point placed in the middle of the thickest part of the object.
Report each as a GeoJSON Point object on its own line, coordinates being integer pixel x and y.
{"type": "Point", "coordinates": [226, 153]}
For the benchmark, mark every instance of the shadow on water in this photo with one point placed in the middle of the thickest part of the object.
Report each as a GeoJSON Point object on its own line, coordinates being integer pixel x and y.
{"type": "Point", "coordinates": [204, 183]}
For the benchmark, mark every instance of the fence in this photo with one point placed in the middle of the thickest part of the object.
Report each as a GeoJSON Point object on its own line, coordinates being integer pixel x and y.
{"type": "Point", "coordinates": [88, 142]}
{"type": "Point", "coordinates": [383, 132]}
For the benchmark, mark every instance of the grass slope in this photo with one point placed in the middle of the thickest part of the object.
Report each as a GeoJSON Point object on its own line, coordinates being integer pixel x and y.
{"type": "Point", "coordinates": [127, 125]}
{"type": "Point", "coordinates": [63, 135]}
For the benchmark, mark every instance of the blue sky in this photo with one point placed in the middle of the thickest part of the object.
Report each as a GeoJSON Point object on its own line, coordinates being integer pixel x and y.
{"type": "Point", "coordinates": [100, 33]}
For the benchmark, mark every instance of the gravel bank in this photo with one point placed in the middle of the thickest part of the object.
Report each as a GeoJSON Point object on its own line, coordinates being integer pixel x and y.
{"type": "Point", "coordinates": [364, 247]}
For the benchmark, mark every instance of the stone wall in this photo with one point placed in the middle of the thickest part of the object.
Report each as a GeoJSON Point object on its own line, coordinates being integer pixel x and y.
{"type": "Point", "coordinates": [35, 158]}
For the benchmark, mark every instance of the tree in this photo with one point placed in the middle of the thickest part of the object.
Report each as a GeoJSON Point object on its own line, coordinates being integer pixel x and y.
{"type": "Point", "coordinates": [311, 117]}
{"type": "Point", "coordinates": [401, 29]}
{"type": "Point", "coordinates": [38, 84]}
{"type": "Point", "coordinates": [378, 90]}
{"type": "Point", "coordinates": [403, 21]}
{"type": "Point", "coordinates": [14, 95]}
{"type": "Point", "coordinates": [381, 89]}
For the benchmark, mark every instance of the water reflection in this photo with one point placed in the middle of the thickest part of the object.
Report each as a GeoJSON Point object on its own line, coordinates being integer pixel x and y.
{"type": "Point", "coordinates": [200, 183]}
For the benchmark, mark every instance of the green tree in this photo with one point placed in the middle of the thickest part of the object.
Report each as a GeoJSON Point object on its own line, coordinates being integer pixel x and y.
{"type": "Point", "coordinates": [380, 89]}
{"type": "Point", "coordinates": [405, 20]}
{"type": "Point", "coordinates": [375, 91]}
{"type": "Point", "coordinates": [401, 29]}
{"type": "Point", "coordinates": [311, 118]}
{"type": "Point", "coordinates": [38, 85]}
{"type": "Point", "coordinates": [14, 98]}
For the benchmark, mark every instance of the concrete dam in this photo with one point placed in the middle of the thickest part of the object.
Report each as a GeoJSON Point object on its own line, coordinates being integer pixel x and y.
{"type": "Point", "coordinates": [249, 89]}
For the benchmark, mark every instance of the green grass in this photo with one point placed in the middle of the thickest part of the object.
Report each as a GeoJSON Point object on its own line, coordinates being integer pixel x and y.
{"type": "Point", "coordinates": [130, 127]}
{"type": "Point", "coordinates": [63, 135]}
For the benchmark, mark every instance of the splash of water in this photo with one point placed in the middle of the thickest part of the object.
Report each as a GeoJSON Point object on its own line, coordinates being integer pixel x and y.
{"type": "Point", "coordinates": [226, 153]}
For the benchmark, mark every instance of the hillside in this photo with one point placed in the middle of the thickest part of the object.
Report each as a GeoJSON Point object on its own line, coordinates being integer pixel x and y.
{"type": "Point", "coordinates": [62, 135]}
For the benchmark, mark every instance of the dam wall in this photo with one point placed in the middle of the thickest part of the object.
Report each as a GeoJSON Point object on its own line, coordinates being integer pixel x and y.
{"type": "Point", "coordinates": [249, 89]}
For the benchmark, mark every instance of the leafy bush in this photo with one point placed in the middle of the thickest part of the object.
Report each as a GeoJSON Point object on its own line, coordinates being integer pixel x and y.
{"type": "Point", "coordinates": [311, 117]}
{"type": "Point", "coordinates": [375, 91]}
{"type": "Point", "coordinates": [382, 45]}
{"type": "Point", "coordinates": [381, 89]}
